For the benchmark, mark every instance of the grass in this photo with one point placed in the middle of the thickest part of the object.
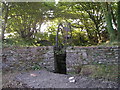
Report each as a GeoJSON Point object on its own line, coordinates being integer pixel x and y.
{"type": "Point", "coordinates": [106, 72]}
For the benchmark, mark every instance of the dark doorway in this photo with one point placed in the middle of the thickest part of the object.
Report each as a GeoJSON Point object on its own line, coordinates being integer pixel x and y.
{"type": "Point", "coordinates": [60, 63]}
{"type": "Point", "coordinates": [63, 39]}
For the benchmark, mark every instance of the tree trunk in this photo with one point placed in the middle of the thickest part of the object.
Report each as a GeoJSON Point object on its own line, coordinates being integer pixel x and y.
{"type": "Point", "coordinates": [111, 31]}
{"type": "Point", "coordinates": [5, 22]}
{"type": "Point", "coordinates": [98, 33]}
{"type": "Point", "coordinates": [118, 21]}
{"type": "Point", "coordinates": [113, 17]}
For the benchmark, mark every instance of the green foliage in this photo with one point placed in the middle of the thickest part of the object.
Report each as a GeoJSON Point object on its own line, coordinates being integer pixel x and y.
{"type": "Point", "coordinates": [52, 38]}
{"type": "Point", "coordinates": [18, 42]}
{"type": "Point", "coordinates": [87, 21]}
{"type": "Point", "coordinates": [115, 43]}
{"type": "Point", "coordinates": [118, 20]}
{"type": "Point", "coordinates": [43, 43]}
{"type": "Point", "coordinates": [80, 38]}
{"type": "Point", "coordinates": [36, 67]}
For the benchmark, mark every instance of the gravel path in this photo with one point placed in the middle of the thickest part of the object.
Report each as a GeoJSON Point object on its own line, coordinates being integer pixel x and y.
{"type": "Point", "coordinates": [45, 79]}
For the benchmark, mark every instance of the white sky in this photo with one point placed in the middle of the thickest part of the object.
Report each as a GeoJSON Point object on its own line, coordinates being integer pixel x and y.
{"type": "Point", "coordinates": [56, 1]}
{"type": "Point", "coordinates": [44, 26]}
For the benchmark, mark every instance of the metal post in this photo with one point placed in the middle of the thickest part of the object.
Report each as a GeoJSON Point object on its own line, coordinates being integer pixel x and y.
{"type": "Point", "coordinates": [60, 49]}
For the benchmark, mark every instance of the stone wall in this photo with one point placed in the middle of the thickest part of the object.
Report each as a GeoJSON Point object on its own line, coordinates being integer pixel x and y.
{"type": "Point", "coordinates": [25, 58]}
{"type": "Point", "coordinates": [77, 56]}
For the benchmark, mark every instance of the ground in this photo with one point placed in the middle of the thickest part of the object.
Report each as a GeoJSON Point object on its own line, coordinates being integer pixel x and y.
{"type": "Point", "coordinates": [46, 79]}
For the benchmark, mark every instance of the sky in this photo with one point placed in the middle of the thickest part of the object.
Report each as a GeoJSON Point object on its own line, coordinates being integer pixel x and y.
{"type": "Point", "coordinates": [56, 1]}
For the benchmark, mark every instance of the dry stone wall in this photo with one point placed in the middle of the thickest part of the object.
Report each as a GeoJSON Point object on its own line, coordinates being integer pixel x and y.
{"type": "Point", "coordinates": [77, 56]}
{"type": "Point", "coordinates": [26, 58]}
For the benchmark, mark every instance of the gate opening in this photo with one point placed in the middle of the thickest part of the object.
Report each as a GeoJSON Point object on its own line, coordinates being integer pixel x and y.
{"type": "Point", "coordinates": [63, 39]}
{"type": "Point", "coordinates": [60, 65]}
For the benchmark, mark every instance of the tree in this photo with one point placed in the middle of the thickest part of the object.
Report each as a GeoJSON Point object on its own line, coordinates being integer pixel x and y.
{"type": "Point", "coordinates": [109, 19]}
{"type": "Point", "coordinates": [88, 21]}
{"type": "Point", "coordinates": [87, 17]}
{"type": "Point", "coordinates": [24, 18]}
{"type": "Point", "coordinates": [118, 20]}
{"type": "Point", "coordinates": [5, 17]}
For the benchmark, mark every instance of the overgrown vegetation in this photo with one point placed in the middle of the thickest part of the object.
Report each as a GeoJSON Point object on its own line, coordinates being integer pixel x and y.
{"type": "Point", "coordinates": [91, 23]}
{"type": "Point", "coordinates": [106, 72]}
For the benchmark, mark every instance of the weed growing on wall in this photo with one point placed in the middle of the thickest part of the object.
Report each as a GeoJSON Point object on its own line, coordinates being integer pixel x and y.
{"type": "Point", "coordinates": [36, 67]}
